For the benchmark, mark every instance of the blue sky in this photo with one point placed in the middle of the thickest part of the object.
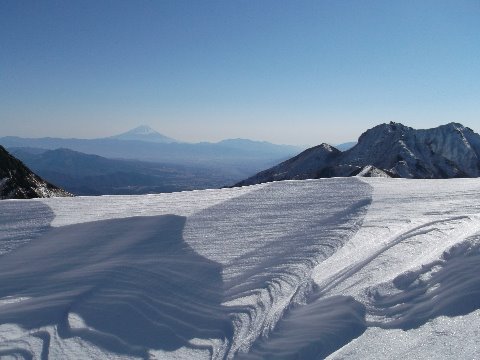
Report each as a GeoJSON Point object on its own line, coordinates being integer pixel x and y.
{"type": "Point", "coordinates": [298, 72]}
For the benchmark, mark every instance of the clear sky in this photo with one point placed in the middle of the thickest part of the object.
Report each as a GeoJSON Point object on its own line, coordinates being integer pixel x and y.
{"type": "Point", "coordinates": [297, 72]}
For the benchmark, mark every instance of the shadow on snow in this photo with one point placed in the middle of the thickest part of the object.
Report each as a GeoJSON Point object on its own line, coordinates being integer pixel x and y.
{"type": "Point", "coordinates": [135, 283]}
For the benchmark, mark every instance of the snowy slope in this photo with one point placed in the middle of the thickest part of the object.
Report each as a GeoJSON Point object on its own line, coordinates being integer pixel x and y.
{"type": "Point", "coordinates": [345, 268]}
{"type": "Point", "coordinates": [306, 165]}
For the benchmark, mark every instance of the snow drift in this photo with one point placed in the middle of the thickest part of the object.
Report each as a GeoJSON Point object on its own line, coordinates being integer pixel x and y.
{"type": "Point", "coordinates": [287, 270]}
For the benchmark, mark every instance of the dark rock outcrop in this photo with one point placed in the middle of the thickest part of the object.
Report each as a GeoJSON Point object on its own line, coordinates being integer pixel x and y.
{"type": "Point", "coordinates": [19, 182]}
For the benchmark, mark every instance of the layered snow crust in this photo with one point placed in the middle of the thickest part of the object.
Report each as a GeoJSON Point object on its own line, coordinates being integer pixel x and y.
{"type": "Point", "coordinates": [333, 268]}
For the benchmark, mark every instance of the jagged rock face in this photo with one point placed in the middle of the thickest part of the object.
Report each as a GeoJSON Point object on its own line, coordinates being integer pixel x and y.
{"type": "Point", "coordinates": [18, 182]}
{"type": "Point", "coordinates": [444, 152]}
{"type": "Point", "coordinates": [388, 150]}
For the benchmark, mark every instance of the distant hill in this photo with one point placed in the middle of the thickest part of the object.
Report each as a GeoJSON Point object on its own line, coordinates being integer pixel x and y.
{"type": "Point", "coordinates": [19, 182]}
{"type": "Point", "coordinates": [144, 133]}
{"type": "Point", "coordinates": [262, 147]}
{"type": "Point", "coordinates": [393, 150]}
{"type": "Point", "coordinates": [346, 146]}
{"type": "Point", "coordinates": [84, 174]}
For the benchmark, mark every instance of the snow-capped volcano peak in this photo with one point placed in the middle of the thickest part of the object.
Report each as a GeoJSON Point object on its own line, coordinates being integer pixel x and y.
{"type": "Point", "coordinates": [142, 130]}
{"type": "Point", "coordinates": [144, 133]}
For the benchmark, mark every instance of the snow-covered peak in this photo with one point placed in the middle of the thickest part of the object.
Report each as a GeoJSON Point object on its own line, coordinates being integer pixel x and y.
{"type": "Point", "coordinates": [382, 131]}
{"type": "Point", "coordinates": [303, 166]}
{"type": "Point", "coordinates": [142, 130]}
{"type": "Point", "coordinates": [456, 126]}
{"type": "Point", "coordinates": [327, 147]}
{"type": "Point", "coordinates": [392, 149]}
{"type": "Point", "coordinates": [144, 133]}
{"type": "Point", "coordinates": [450, 150]}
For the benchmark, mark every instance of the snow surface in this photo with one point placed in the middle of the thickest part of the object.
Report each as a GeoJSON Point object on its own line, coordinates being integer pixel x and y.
{"type": "Point", "coordinates": [341, 268]}
{"type": "Point", "coordinates": [372, 171]}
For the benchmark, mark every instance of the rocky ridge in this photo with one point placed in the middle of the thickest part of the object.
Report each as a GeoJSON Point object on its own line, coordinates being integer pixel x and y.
{"type": "Point", "coordinates": [387, 150]}
{"type": "Point", "coordinates": [19, 182]}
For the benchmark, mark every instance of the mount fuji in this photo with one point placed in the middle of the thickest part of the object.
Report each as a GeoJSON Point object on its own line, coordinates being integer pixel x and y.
{"type": "Point", "coordinates": [144, 133]}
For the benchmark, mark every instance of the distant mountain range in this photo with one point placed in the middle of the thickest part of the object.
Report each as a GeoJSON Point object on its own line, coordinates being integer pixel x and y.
{"type": "Point", "coordinates": [84, 174]}
{"type": "Point", "coordinates": [158, 164]}
{"type": "Point", "coordinates": [388, 150]}
{"type": "Point", "coordinates": [143, 143]}
{"type": "Point", "coordinates": [19, 182]}
{"type": "Point", "coordinates": [144, 161]}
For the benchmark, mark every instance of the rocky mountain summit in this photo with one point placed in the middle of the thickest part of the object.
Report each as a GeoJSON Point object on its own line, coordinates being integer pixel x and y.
{"type": "Point", "coordinates": [19, 182]}
{"type": "Point", "coordinates": [387, 150]}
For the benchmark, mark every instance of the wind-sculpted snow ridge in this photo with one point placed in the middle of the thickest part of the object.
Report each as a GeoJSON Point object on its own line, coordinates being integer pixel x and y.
{"type": "Point", "coordinates": [414, 265]}
{"type": "Point", "coordinates": [337, 268]}
{"type": "Point", "coordinates": [275, 237]}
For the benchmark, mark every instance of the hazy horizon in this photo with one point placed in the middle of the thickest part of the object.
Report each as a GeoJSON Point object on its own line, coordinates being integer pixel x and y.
{"type": "Point", "coordinates": [213, 141]}
{"type": "Point", "coordinates": [286, 72]}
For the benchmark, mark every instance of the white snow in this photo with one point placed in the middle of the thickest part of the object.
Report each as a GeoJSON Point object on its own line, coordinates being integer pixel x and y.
{"type": "Point", "coordinates": [342, 268]}
{"type": "Point", "coordinates": [143, 129]}
{"type": "Point", "coordinates": [372, 171]}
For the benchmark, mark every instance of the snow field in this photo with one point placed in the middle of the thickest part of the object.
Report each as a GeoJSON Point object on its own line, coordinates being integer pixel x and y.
{"type": "Point", "coordinates": [339, 268]}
